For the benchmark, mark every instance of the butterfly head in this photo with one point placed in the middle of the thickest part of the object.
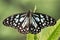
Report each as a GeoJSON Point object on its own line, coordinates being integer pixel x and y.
{"type": "Point", "coordinates": [29, 13]}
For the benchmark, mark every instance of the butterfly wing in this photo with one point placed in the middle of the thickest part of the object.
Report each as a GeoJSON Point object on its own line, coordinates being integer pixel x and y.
{"type": "Point", "coordinates": [39, 21]}
{"type": "Point", "coordinates": [34, 27]}
{"type": "Point", "coordinates": [18, 21]}
{"type": "Point", "coordinates": [21, 22]}
{"type": "Point", "coordinates": [44, 20]}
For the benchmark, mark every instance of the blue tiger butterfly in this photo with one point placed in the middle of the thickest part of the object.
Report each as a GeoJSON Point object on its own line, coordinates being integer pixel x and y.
{"type": "Point", "coordinates": [29, 22]}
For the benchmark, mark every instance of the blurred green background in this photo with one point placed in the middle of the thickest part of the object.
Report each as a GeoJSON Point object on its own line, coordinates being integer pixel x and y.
{"type": "Point", "coordinates": [10, 7]}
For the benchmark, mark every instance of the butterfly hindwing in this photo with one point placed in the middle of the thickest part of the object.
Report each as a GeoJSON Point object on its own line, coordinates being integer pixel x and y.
{"type": "Point", "coordinates": [35, 27]}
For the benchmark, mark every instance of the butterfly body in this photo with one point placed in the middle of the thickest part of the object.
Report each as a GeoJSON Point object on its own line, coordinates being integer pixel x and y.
{"type": "Point", "coordinates": [29, 22]}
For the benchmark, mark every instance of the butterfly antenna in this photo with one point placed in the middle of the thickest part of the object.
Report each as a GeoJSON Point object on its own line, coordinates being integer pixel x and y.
{"type": "Point", "coordinates": [34, 9]}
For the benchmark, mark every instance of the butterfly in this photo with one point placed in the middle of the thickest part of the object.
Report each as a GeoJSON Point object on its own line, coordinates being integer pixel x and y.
{"type": "Point", "coordinates": [29, 22]}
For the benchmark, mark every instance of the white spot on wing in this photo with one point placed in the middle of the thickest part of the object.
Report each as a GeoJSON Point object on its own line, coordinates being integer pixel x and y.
{"type": "Point", "coordinates": [17, 16]}
{"type": "Point", "coordinates": [18, 23]}
{"type": "Point", "coordinates": [31, 28]}
{"type": "Point", "coordinates": [42, 20]}
{"type": "Point", "coordinates": [16, 20]}
{"type": "Point", "coordinates": [51, 19]}
{"type": "Point", "coordinates": [34, 23]}
{"type": "Point", "coordinates": [46, 16]}
{"type": "Point", "coordinates": [7, 22]}
{"type": "Point", "coordinates": [37, 19]}
{"type": "Point", "coordinates": [20, 28]}
{"type": "Point", "coordinates": [40, 23]}
{"type": "Point", "coordinates": [11, 23]}
{"type": "Point", "coordinates": [41, 16]}
{"type": "Point", "coordinates": [25, 22]}
{"type": "Point", "coordinates": [44, 24]}
{"type": "Point", "coordinates": [11, 17]}
{"type": "Point", "coordinates": [34, 29]}
{"type": "Point", "coordinates": [14, 24]}
{"type": "Point", "coordinates": [27, 28]}
{"type": "Point", "coordinates": [21, 19]}
{"type": "Point", "coordinates": [7, 18]}
{"type": "Point", "coordinates": [38, 28]}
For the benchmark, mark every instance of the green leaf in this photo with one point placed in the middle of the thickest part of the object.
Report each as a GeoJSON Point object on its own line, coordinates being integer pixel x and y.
{"type": "Point", "coordinates": [30, 37]}
{"type": "Point", "coordinates": [56, 33]}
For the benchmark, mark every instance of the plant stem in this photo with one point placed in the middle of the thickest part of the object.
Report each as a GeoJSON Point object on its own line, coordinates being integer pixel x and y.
{"type": "Point", "coordinates": [35, 37]}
